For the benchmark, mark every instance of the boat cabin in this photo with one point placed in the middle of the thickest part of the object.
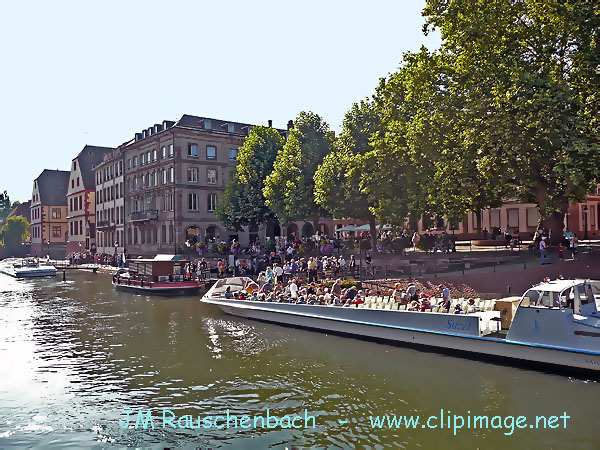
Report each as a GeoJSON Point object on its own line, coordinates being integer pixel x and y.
{"type": "Point", "coordinates": [562, 313]}
{"type": "Point", "coordinates": [162, 268]}
{"type": "Point", "coordinates": [576, 296]}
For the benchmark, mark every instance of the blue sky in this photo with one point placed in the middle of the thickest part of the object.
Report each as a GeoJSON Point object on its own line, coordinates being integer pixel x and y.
{"type": "Point", "coordinates": [76, 73]}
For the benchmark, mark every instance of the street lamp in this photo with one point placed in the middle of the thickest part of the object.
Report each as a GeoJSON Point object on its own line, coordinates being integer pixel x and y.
{"type": "Point", "coordinates": [585, 227]}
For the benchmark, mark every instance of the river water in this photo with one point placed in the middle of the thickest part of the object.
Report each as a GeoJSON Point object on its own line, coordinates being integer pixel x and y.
{"type": "Point", "coordinates": [75, 354]}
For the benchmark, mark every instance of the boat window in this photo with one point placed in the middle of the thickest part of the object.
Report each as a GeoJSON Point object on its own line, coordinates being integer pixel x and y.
{"type": "Point", "coordinates": [566, 298]}
{"type": "Point", "coordinates": [220, 283]}
{"type": "Point", "coordinates": [595, 288]}
{"type": "Point", "coordinates": [585, 295]}
{"type": "Point", "coordinates": [533, 297]}
{"type": "Point", "coordinates": [549, 300]}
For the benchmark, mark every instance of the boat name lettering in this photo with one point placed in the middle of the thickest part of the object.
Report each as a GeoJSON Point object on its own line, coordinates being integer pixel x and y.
{"type": "Point", "coordinates": [452, 325]}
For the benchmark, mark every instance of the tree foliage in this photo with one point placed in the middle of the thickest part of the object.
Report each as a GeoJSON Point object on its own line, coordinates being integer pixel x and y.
{"type": "Point", "coordinates": [243, 201]}
{"type": "Point", "coordinates": [14, 232]}
{"type": "Point", "coordinates": [5, 205]}
{"type": "Point", "coordinates": [289, 188]}
{"type": "Point", "coordinates": [338, 178]}
{"type": "Point", "coordinates": [507, 107]}
{"type": "Point", "coordinates": [527, 74]}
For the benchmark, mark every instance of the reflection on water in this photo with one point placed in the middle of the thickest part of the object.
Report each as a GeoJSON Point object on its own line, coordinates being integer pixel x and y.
{"type": "Point", "coordinates": [75, 354]}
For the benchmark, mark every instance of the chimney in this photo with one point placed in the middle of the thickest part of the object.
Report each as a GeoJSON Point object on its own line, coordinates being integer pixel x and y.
{"type": "Point", "coordinates": [270, 123]}
{"type": "Point", "coordinates": [290, 124]}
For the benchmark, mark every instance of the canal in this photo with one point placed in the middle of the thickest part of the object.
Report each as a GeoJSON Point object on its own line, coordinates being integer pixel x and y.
{"type": "Point", "coordinates": [74, 355]}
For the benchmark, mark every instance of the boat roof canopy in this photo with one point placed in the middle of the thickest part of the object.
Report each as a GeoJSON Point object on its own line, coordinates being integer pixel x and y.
{"type": "Point", "coordinates": [557, 285]}
{"type": "Point", "coordinates": [164, 257]}
{"type": "Point", "coordinates": [160, 257]}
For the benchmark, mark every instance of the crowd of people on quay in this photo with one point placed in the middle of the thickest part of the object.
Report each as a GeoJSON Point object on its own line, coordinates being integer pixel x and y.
{"type": "Point", "coordinates": [105, 259]}
{"type": "Point", "coordinates": [289, 255]}
{"type": "Point", "coordinates": [266, 267]}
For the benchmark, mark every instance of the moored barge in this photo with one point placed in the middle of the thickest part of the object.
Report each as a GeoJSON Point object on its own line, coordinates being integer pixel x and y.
{"type": "Point", "coordinates": [162, 275]}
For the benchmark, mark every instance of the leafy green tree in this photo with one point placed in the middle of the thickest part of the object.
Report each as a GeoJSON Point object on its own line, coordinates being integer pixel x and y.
{"type": "Point", "coordinates": [243, 201]}
{"type": "Point", "coordinates": [4, 205]}
{"type": "Point", "coordinates": [289, 188]}
{"type": "Point", "coordinates": [398, 172]}
{"type": "Point", "coordinates": [338, 178]}
{"type": "Point", "coordinates": [14, 232]}
{"type": "Point", "coordinates": [424, 160]}
{"type": "Point", "coordinates": [528, 76]}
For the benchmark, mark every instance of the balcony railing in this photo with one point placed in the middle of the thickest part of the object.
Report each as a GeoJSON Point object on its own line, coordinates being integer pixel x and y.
{"type": "Point", "coordinates": [104, 224]}
{"type": "Point", "coordinates": [141, 216]}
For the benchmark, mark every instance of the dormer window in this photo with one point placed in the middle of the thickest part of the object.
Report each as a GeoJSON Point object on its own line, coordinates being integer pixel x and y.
{"type": "Point", "coordinates": [207, 124]}
{"type": "Point", "coordinates": [230, 128]}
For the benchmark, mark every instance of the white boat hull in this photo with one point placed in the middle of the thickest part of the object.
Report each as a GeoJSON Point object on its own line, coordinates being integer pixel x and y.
{"type": "Point", "coordinates": [34, 272]}
{"type": "Point", "coordinates": [369, 323]}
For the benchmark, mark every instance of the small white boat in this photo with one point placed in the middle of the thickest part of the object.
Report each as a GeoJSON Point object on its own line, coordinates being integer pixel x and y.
{"type": "Point", "coordinates": [32, 271]}
{"type": "Point", "coordinates": [556, 324]}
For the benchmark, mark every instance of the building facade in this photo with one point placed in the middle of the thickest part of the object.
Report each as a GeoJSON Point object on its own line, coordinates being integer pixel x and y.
{"type": "Point", "coordinates": [48, 211]}
{"type": "Point", "coordinates": [81, 200]}
{"type": "Point", "coordinates": [110, 201]}
{"type": "Point", "coordinates": [175, 175]}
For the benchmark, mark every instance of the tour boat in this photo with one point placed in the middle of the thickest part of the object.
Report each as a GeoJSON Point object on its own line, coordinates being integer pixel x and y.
{"type": "Point", "coordinates": [556, 324]}
{"type": "Point", "coordinates": [163, 275]}
{"type": "Point", "coordinates": [29, 268]}
{"type": "Point", "coordinates": [32, 271]}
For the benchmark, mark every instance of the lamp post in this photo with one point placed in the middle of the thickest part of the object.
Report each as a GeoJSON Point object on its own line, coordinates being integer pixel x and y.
{"type": "Point", "coordinates": [48, 248]}
{"type": "Point", "coordinates": [585, 227]}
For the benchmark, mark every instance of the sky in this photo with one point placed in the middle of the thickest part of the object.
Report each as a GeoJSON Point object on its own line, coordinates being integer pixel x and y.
{"type": "Point", "coordinates": [77, 73]}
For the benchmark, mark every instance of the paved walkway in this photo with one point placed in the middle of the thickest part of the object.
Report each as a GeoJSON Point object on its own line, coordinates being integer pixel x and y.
{"type": "Point", "coordinates": [516, 278]}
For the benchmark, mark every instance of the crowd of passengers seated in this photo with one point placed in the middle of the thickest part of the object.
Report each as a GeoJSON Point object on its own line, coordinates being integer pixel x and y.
{"type": "Point", "coordinates": [318, 294]}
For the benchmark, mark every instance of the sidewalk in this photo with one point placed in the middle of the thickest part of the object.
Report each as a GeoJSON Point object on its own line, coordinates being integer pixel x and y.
{"type": "Point", "coordinates": [514, 279]}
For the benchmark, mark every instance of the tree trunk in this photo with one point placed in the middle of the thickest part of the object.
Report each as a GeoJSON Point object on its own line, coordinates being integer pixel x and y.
{"type": "Point", "coordinates": [316, 224]}
{"type": "Point", "coordinates": [478, 216]}
{"type": "Point", "coordinates": [373, 231]}
{"type": "Point", "coordinates": [413, 222]}
{"type": "Point", "coordinates": [555, 224]}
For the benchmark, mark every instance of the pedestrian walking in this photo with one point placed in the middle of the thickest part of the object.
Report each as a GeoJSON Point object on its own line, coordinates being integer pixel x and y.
{"type": "Point", "coordinates": [543, 252]}
{"type": "Point", "coordinates": [574, 246]}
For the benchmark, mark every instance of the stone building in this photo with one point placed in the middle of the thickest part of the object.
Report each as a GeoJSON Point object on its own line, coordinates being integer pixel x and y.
{"type": "Point", "coordinates": [175, 175]}
{"type": "Point", "coordinates": [110, 201]}
{"type": "Point", "coordinates": [81, 201]}
{"type": "Point", "coordinates": [48, 212]}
